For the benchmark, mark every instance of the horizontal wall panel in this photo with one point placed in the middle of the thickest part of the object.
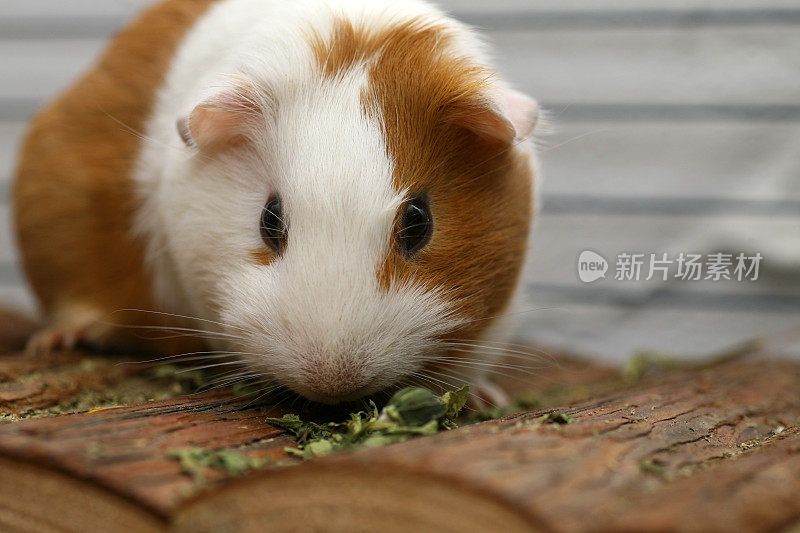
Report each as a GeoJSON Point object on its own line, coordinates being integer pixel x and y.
{"type": "Point", "coordinates": [615, 334]}
{"type": "Point", "coordinates": [747, 161]}
{"type": "Point", "coordinates": [705, 68]}
{"type": "Point", "coordinates": [558, 241]}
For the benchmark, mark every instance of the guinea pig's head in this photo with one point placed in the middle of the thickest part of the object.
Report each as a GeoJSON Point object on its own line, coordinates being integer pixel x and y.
{"type": "Point", "coordinates": [356, 225]}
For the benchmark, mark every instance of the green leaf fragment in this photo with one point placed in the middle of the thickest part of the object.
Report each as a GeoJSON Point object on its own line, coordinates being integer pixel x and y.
{"type": "Point", "coordinates": [413, 406]}
{"type": "Point", "coordinates": [319, 447]}
{"type": "Point", "coordinates": [196, 461]}
{"type": "Point", "coordinates": [411, 412]}
{"type": "Point", "coordinates": [232, 463]}
{"type": "Point", "coordinates": [454, 401]}
{"type": "Point", "coordinates": [557, 418]}
{"type": "Point", "coordinates": [290, 422]}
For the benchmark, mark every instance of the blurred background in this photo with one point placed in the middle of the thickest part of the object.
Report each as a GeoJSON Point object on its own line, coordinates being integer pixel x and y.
{"type": "Point", "coordinates": [674, 128]}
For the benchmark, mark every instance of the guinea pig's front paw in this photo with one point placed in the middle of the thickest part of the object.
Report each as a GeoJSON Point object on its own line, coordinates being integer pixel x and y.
{"type": "Point", "coordinates": [52, 338]}
{"type": "Point", "coordinates": [486, 394]}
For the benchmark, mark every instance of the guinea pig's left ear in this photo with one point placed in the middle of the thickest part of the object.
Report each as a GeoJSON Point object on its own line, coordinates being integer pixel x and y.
{"type": "Point", "coordinates": [220, 120]}
{"type": "Point", "coordinates": [510, 116]}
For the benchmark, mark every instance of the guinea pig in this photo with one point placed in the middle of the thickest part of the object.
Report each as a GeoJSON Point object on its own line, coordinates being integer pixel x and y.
{"type": "Point", "coordinates": [335, 193]}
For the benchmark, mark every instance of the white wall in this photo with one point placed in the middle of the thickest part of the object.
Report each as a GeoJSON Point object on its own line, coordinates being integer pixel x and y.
{"type": "Point", "coordinates": [676, 127]}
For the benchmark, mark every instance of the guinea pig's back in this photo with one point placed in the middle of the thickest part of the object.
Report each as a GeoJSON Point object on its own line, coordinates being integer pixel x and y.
{"type": "Point", "coordinates": [73, 194]}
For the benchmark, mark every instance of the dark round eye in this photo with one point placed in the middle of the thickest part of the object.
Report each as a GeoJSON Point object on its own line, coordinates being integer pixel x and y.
{"type": "Point", "coordinates": [273, 226]}
{"type": "Point", "coordinates": [416, 225]}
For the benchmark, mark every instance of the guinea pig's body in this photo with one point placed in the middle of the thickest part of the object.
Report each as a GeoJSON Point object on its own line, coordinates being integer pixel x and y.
{"type": "Point", "coordinates": [338, 192]}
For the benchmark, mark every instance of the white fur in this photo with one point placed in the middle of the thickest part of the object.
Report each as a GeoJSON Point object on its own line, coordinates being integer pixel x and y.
{"type": "Point", "coordinates": [315, 319]}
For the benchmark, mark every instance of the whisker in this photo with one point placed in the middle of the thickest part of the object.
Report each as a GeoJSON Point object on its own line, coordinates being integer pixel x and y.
{"type": "Point", "coordinates": [478, 362]}
{"type": "Point", "coordinates": [499, 350]}
{"type": "Point", "coordinates": [490, 371]}
{"type": "Point", "coordinates": [515, 313]}
{"type": "Point", "coordinates": [142, 136]}
{"type": "Point", "coordinates": [286, 394]}
{"type": "Point", "coordinates": [497, 343]}
{"type": "Point", "coordinates": [544, 360]}
{"type": "Point", "coordinates": [573, 139]}
{"type": "Point", "coordinates": [448, 385]}
{"type": "Point", "coordinates": [180, 329]}
{"type": "Point", "coordinates": [438, 382]}
{"type": "Point", "coordinates": [211, 354]}
{"type": "Point", "coordinates": [233, 381]}
{"type": "Point", "coordinates": [188, 317]}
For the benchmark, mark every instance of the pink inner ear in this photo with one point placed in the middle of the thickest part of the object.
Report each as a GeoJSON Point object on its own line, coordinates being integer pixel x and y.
{"type": "Point", "coordinates": [513, 117]}
{"type": "Point", "coordinates": [488, 122]}
{"type": "Point", "coordinates": [218, 121]}
{"type": "Point", "coordinates": [523, 112]}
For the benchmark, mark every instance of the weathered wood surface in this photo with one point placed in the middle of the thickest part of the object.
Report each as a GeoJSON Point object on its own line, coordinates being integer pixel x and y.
{"type": "Point", "coordinates": [714, 450]}
{"type": "Point", "coordinates": [709, 449]}
{"type": "Point", "coordinates": [127, 449]}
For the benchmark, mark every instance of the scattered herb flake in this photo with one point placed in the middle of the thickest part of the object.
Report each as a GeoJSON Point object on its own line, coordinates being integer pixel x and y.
{"type": "Point", "coordinates": [196, 461]}
{"type": "Point", "coordinates": [651, 467]}
{"type": "Point", "coordinates": [557, 418]}
{"type": "Point", "coordinates": [411, 411]}
{"type": "Point", "coordinates": [454, 401]}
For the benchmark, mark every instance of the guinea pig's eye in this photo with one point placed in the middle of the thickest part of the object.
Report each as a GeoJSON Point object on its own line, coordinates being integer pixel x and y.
{"type": "Point", "coordinates": [416, 225]}
{"type": "Point", "coordinates": [273, 227]}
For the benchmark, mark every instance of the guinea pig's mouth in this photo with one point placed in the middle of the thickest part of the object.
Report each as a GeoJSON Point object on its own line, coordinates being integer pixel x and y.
{"type": "Point", "coordinates": [334, 399]}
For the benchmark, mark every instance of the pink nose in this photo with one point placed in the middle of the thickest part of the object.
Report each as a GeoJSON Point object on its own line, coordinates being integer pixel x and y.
{"type": "Point", "coordinates": [331, 381]}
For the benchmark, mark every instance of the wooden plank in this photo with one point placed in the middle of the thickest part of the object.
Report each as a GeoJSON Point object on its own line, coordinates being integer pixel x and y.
{"type": "Point", "coordinates": [92, 17]}
{"type": "Point", "coordinates": [613, 333]}
{"type": "Point", "coordinates": [7, 241]}
{"type": "Point", "coordinates": [559, 239]}
{"type": "Point", "coordinates": [39, 69]}
{"type": "Point", "coordinates": [119, 8]}
{"type": "Point", "coordinates": [76, 8]}
{"type": "Point", "coordinates": [672, 66]}
{"type": "Point", "coordinates": [479, 6]}
{"type": "Point", "coordinates": [654, 458]}
{"type": "Point", "coordinates": [728, 160]}
{"type": "Point", "coordinates": [10, 136]}
{"type": "Point", "coordinates": [688, 66]}
{"type": "Point", "coordinates": [703, 448]}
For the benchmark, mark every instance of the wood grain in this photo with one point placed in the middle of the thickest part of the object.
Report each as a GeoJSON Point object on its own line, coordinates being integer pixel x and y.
{"type": "Point", "coordinates": [694, 449]}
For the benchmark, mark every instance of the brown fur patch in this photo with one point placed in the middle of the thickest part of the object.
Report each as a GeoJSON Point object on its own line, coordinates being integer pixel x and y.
{"type": "Point", "coordinates": [480, 190]}
{"type": "Point", "coordinates": [73, 193]}
{"type": "Point", "coordinates": [262, 256]}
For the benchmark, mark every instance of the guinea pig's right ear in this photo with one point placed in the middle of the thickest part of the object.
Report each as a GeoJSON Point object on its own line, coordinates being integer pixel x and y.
{"type": "Point", "coordinates": [505, 118]}
{"type": "Point", "coordinates": [220, 121]}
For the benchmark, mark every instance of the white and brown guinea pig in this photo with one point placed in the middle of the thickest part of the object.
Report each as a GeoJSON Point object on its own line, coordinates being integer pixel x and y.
{"type": "Point", "coordinates": [337, 192]}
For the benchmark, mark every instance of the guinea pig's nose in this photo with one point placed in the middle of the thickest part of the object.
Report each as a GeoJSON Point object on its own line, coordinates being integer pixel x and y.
{"type": "Point", "coordinates": [332, 380]}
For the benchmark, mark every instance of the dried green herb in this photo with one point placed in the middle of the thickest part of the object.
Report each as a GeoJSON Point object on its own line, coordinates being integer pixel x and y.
{"type": "Point", "coordinates": [196, 462]}
{"type": "Point", "coordinates": [557, 418]}
{"type": "Point", "coordinates": [651, 467]}
{"type": "Point", "coordinates": [454, 401]}
{"type": "Point", "coordinates": [411, 411]}
{"type": "Point", "coordinates": [414, 406]}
